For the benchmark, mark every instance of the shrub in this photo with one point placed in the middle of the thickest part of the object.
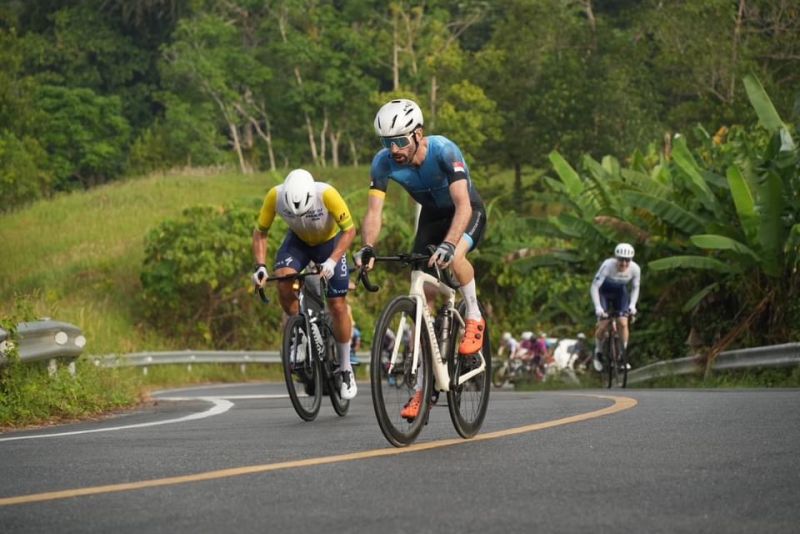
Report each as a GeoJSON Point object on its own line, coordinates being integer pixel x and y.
{"type": "Point", "coordinates": [196, 280]}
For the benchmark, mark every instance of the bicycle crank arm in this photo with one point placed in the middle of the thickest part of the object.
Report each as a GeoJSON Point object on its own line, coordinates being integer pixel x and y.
{"type": "Point", "coordinates": [466, 376]}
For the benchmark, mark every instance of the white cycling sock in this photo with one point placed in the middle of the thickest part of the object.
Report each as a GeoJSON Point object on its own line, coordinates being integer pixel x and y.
{"type": "Point", "coordinates": [471, 300]}
{"type": "Point", "coordinates": [344, 356]}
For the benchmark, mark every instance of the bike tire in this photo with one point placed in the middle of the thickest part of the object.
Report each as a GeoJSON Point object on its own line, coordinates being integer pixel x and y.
{"type": "Point", "coordinates": [302, 374]}
{"type": "Point", "coordinates": [610, 363]}
{"type": "Point", "coordinates": [500, 375]}
{"type": "Point", "coordinates": [621, 378]}
{"type": "Point", "coordinates": [331, 367]}
{"type": "Point", "coordinates": [391, 391]}
{"type": "Point", "coordinates": [469, 401]}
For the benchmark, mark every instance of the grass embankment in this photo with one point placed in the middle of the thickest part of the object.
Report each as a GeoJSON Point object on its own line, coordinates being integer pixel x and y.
{"type": "Point", "coordinates": [77, 258]}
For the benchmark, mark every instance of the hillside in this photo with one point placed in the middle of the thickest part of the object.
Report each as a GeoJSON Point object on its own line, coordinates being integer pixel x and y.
{"type": "Point", "coordinates": [77, 257]}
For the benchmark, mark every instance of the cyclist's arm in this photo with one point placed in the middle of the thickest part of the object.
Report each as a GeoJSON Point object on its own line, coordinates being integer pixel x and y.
{"type": "Point", "coordinates": [343, 245]}
{"type": "Point", "coordinates": [336, 205]}
{"type": "Point", "coordinates": [265, 217]}
{"type": "Point", "coordinates": [460, 195]}
{"type": "Point", "coordinates": [259, 246]}
{"type": "Point", "coordinates": [371, 227]}
{"type": "Point", "coordinates": [635, 291]}
{"type": "Point", "coordinates": [594, 290]}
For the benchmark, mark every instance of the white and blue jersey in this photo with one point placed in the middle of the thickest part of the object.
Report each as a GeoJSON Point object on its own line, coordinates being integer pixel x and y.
{"type": "Point", "coordinates": [428, 184]}
{"type": "Point", "coordinates": [610, 286]}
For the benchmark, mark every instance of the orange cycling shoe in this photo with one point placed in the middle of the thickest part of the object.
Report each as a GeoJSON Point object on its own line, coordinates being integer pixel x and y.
{"type": "Point", "coordinates": [473, 337]}
{"type": "Point", "coordinates": [411, 409]}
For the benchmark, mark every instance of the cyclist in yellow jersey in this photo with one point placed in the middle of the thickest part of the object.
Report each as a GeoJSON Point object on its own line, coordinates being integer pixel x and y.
{"type": "Point", "coordinates": [321, 230]}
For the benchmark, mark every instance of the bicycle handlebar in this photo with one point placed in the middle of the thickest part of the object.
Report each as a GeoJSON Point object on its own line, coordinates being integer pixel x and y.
{"type": "Point", "coordinates": [294, 276]}
{"type": "Point", "coordinates": [406, 259]}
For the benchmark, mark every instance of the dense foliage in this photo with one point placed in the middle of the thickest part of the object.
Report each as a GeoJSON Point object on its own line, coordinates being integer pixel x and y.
{"type": "Point", "coordinates": [195, 279]}
{"type": "Point", "coordinates": [92, 91]}
{"type": "Point", "coordinates": [716, 222]}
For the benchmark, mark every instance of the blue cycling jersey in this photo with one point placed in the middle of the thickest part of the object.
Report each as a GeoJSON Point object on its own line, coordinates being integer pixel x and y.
{"type": "Point", "coordinates": [429, 183]}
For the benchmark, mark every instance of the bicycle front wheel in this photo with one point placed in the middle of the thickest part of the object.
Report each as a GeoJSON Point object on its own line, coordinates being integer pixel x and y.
{"type": "Point", "coordinates": [614, 363]}
{"type": "Point", "coordinates": [332, 375]}
{"type": "Point", "coordinates": [395, 384]}
{"type": "Point", "coordinates": [468, 399]}
{"type": "Point", "coordinates": [301, 369]}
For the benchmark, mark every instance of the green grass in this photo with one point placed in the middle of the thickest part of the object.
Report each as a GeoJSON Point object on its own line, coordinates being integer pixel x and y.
{"type": "Point", "coordinates": [77, 257]}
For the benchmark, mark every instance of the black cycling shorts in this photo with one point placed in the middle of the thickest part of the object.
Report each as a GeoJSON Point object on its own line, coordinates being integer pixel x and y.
{"type": "Point", "coordinates": [434, 224]}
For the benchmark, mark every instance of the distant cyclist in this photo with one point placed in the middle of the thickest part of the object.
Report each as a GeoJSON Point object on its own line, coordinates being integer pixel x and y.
{"type": "Point", "coordinates": [433, 171]}
{"type": "Point", "coordinates": [610, 295]}
{"type": "Point", "coordinates": [321, 230]}
{"type": "Point", "coordinates": [508, 344]}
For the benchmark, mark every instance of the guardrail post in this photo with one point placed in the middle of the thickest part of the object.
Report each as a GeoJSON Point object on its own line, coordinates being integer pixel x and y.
{"type": "Point", "coordinates": [52, 367]}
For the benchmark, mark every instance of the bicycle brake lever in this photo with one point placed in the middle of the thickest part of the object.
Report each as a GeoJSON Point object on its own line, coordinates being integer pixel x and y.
{"type": "Point", "coordinates": [364, 279]}
{"type": "Point", "coordinates": [262, 295]}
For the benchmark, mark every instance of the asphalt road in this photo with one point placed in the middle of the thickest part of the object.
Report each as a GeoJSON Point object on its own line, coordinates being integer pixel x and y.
{"type": "Point", "coordinates": [237, 459]}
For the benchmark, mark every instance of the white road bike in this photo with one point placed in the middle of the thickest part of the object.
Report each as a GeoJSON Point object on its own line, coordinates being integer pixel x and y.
{"type": "Point", "coordinates": [421, 353]}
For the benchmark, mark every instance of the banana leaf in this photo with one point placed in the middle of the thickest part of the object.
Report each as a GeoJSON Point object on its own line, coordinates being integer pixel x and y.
{"type": "Point", "coordinates": [693, 262]}
{"type": "Point", "coordinates": [666, 210]}
{"type": "Point", "coordinates": [744, 203]}
{"type": "Point", "coordinates": [698, 297]}
{"type": "Point", "coordinates": [571, 180]}
{"type": "Point", "coordinates": [767, 114]}
{"type": "Point", "coordinates": [611, 165]}
{"type": "Point", "coordinates": [719, 242]}
{"type": "Point", "coordinates": [646, 184]}
{"type": "Point", "coordinates": [697, 183]}
{"type": "Point", "coordinates": [600, 178]}
{"type": "Point", "coordinates": [573, 227]}
{"type": "Point", "coordinates": [771, 233]}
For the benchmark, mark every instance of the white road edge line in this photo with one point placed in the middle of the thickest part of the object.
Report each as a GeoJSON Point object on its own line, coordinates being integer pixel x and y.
{"type": "Point", "coordinates": [220, 406]}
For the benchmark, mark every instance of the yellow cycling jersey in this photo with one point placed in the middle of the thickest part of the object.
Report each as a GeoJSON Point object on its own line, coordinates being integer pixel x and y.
{"type": "Point", "coordinates": [326, 218]}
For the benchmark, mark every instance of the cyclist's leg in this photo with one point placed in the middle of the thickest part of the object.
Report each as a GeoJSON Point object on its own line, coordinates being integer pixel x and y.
{"type": "Point", "coordinates": [599, 336]}
{"type": "Point", "coordinates": [336, 295]}
{"type": "Point", "coordinates": [465, 274]}
{"type": "Point", "coordinates": [623, 319]}
{"type": "Point", "coordinates": [292, 257]}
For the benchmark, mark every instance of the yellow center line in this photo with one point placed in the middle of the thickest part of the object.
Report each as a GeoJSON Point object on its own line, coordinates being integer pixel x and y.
{"type": "Point", "coordinates": [620, 404]}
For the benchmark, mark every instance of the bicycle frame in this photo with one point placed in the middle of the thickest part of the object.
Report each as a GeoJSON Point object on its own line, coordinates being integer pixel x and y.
{"type": "Point", "coordinates": [423, 316]}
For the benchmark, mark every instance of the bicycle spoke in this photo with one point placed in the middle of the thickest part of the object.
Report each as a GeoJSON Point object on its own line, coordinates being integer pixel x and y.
{"type": "Point", "coordinates": [392, 375]}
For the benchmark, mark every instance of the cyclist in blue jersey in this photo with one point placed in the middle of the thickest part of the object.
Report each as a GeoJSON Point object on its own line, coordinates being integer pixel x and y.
{"type": "Point", "coordinates": [453, 218]}
{"type": "Point", "coordinates": [609, 292]}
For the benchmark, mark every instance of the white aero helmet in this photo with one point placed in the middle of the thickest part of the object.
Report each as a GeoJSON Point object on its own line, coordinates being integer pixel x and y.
{"type": "Point", "coordinates": [624, 251]}
{"type": "Point", "coordinates": [527, 336]}
{"type": "Point", "coordinates": [506, 336]}
{"type": "Point", "coordinates": [299, 191]}
{"type": "Point", "coordinates": [398, 117]}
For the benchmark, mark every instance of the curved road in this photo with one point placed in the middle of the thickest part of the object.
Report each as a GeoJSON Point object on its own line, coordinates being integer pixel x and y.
{"type": "Point", "coordinates": [236, 458]}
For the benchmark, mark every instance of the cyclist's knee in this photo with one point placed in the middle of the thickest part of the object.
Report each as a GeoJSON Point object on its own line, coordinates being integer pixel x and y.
{"type": "Point", "coordinates": [338, 306]}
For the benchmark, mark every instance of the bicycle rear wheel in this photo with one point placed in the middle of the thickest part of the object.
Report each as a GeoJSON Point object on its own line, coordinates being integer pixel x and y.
{"type": "Point", "coordinates": [614, 363]}
{"type": "Point", "coordinates": [469, 400]}
{"type": "Point", "coordinates": [394, 386]}
{"type": "Point", "coordinates": [301, 369]}
{"type": "Point", "coordinates": [333, 376]}
{"type": "Point", "coordinates": [500, 375]}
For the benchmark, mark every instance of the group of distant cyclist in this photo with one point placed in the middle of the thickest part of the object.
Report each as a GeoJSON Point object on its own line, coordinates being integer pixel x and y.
{"type": "Point", "coordinates": [452, 220]}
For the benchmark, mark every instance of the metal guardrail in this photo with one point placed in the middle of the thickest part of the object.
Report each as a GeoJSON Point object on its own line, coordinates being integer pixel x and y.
{"type": "Point", "coordinates": [190, 357]}
{"type": "Point", "coordinates": [45, 340]}
{"type": "Point", "coordinates": [785, 355]}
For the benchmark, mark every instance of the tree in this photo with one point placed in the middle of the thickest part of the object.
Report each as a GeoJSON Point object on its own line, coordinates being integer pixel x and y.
{"type": "Point", "coordinates": [208, 57]}
{"type": "Point", "coordinates": [84, 133]}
